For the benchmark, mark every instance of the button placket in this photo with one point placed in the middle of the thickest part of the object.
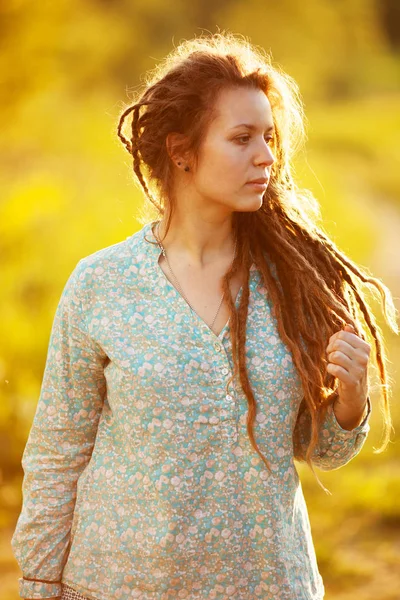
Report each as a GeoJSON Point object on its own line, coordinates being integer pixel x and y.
{"type": "Point", "coordinates": [231, 406]}
{"type": "Point", "coordinates": [232, 400]}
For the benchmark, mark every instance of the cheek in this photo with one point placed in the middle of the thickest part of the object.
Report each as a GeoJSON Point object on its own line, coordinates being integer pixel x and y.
{"type": "Point", "coordinates": [233, 157]}
{"type": "Point", "coordinates": [224, 153]}
{"type": "Point", "coordinates": [224, 165]}
{"type": "Point", "coordinates": [219, 181]}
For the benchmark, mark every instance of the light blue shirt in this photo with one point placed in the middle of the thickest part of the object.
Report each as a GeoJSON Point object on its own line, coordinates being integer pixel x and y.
{"type": "Point", "coordinates": [140, 481]}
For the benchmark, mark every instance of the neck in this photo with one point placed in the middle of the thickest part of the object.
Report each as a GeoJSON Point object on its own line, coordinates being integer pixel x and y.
{"type": "Point", "coordinates": [198, 243]}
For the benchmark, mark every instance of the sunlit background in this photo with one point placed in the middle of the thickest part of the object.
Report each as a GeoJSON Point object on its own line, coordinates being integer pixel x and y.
{"type": "Point", "coordinates": [67, 190]}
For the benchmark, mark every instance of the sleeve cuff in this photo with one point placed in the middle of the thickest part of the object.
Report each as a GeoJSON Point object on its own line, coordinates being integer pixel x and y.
{"type": "Point", "coordinates": [38, 589]}
{"type": "Point", "coordinates": [363, 427]}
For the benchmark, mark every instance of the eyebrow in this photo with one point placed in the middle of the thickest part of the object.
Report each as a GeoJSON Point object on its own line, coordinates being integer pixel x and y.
{"type": "Point", "coordinates": [252, 127]}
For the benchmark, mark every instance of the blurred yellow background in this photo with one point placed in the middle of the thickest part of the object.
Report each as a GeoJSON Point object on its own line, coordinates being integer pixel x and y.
{"type": "Point", "coordinates": [68, 190]}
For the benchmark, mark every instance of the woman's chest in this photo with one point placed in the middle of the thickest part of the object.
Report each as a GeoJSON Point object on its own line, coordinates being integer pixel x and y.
{"type": "Point", "coordinates": [170, 379]}
{"type": "Point", "coordinates": [157, 345]}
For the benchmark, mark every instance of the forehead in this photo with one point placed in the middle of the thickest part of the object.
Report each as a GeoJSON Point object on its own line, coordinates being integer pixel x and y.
{"type": "Point", "coordinates": [242, 105]}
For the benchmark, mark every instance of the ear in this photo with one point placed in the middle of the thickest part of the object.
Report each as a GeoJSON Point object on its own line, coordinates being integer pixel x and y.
{"type": "Point", "coordinates": [175, 143]}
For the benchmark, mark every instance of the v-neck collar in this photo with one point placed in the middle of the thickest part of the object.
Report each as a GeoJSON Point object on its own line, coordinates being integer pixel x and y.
{"type": "Point", "coordinates": [153, 252]}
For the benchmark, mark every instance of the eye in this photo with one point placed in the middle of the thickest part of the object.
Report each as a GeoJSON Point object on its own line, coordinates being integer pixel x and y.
{"type": "Point", "coordinates": [245, 137]}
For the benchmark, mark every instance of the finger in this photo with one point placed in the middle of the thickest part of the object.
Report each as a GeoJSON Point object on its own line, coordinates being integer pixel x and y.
{"type": "Point", "coordinates": [341, 345]}
{"type": "Point", "coordinates": [360, 342]}
{"type": "Point", "coordinates": [341, 373]}
{"type": "Point", "coordinates": [354, 369]}
{"type": "Point", "coordinates": [351, 338]}
{"type": "Point", "coordinates": [340, 359]}
{"type": "Point", "coordinates": [349, 334]}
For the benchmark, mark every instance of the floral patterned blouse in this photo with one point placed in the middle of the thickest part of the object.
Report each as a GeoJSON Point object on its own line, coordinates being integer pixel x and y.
{"type": "Point", "coordinates": [140, 481]}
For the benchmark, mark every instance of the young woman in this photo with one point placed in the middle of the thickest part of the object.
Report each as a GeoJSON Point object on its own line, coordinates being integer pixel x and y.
{"type": "Point", "coordinates": [190, 364]}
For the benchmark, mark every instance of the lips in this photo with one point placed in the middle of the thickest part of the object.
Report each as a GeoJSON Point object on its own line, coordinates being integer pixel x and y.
{"type": "Point", "coordinates": [259, 180]}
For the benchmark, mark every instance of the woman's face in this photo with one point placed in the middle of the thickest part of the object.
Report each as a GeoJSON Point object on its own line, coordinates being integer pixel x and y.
{"type": "Point", "coordinates": [236, 150]}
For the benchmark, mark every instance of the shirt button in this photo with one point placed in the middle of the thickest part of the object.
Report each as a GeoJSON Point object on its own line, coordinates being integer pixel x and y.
{"type": "Point", "coordinates": [217, 346]}
{"type": "Point", "coordinates": [229, 397]}
{"type": "Point", "coordinates": [224, 371]}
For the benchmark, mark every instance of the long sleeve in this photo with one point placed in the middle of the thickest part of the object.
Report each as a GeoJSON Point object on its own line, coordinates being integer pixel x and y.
{"type": "Point", "coordinates": [59, 445]}
{"type": "Point", "coordinates": [337, 446]}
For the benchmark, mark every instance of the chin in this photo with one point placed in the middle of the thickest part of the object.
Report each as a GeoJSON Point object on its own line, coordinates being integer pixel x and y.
{"type": "Point", "coordinates": [251, 205]}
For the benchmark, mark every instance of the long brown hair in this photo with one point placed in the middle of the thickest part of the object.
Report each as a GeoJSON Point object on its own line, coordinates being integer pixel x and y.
{"type": "Point", "coordinates": [314, 287]}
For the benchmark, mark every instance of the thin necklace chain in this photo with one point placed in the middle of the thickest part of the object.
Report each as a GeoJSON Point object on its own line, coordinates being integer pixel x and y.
{"type": "Point", "coordinates": [176, 279]}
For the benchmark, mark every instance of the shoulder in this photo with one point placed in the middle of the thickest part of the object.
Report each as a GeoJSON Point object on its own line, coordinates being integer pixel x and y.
{"type": "Point", "coordinates": [125, 251]}
{"type": "Point", "coordinates": [110, 265]}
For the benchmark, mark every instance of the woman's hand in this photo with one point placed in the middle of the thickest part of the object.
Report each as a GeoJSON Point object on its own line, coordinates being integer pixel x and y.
{"type": "Point", "coordinates": [348, 357]}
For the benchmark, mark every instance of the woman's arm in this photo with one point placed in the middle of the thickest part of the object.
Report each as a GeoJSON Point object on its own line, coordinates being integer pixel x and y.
{"type": "Point", "coordinates": [337, 446]}
{"type": "Point", "coordinates": [59, 445]}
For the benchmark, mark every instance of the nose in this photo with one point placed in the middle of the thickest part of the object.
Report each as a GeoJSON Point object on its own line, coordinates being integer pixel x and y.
{"type": "Point", "coordinates": [264, 155]}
